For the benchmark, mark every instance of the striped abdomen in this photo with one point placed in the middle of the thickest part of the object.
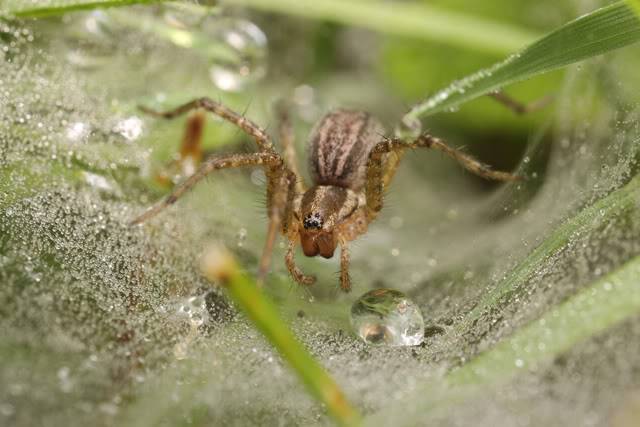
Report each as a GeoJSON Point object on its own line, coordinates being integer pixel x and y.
{"type": "Point", "coordinates": [339, 148]}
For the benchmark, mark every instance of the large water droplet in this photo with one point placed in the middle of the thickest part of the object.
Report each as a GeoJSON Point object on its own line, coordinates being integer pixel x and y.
{"type": "Point", "coordinates": [387, 316]}
{"type": "Point", "coordinates": [248, 43]}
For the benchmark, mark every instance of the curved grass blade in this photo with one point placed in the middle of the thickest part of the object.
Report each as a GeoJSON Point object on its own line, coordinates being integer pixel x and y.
{"type": "Point", "coordinates": [607, 302]}
{"type": "Point", "coordinates": [218, 266]}
{"type": "Point", "coordinates": [598, 32]}
{"type": "Point", "coordinates": [614, 204]}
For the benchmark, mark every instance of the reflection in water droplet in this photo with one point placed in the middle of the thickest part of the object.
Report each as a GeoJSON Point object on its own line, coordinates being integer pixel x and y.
{"type": "Point", "coordinates": [387, 316]}
{"type": "Point", "coordinates": [249, 44]}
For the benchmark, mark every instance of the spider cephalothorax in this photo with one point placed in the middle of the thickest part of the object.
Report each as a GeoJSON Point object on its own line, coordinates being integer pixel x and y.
{"type": "Point", "coordinates": [352, 163]}
{"type": "Point", "coordinates": [323, 209]}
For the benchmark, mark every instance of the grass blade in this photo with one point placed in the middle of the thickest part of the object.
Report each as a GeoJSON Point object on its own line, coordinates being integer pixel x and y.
{"type": "Point", "coordinates": [598, 32]}
{"type": "Point", "coordinates": [220, 267]}
{"type": "Point", "coordinates": [602, 305]}
{"type": "Point", "coordinates": [23, 10]}
{"type": "Point", "coordinates": [614, 204]}
{"type": "Point", "coordinates": [406, 19]}
{"type": "Point", "coordinates": [608, 301]}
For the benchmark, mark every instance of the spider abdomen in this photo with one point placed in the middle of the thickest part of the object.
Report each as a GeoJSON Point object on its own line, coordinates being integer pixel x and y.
{"type": "Point", "coordinates": [339, 148]}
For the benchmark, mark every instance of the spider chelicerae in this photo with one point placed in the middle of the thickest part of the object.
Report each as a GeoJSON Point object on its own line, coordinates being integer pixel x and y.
{"type": "Point", "coordinates": [352, 164]}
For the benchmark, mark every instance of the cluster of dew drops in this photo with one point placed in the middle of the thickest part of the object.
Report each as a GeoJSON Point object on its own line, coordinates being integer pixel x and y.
{"type": "Point", "coordinates": [91, 39]}
{"type": "Point", "coordinates": [395, 320]}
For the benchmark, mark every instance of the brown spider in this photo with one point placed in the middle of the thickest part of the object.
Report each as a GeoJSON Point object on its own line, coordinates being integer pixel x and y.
{"type": "Point", "coordinates": [351, 163]}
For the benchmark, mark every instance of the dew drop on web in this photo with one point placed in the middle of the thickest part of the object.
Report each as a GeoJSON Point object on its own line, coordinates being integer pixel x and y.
{"type": "Point", "coordinates": [387, 317]}
{"type": "Point", "coordinates": [249, 44]}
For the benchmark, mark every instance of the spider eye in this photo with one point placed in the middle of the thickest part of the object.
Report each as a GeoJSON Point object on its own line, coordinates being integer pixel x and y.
{"type": "Point", "coordinates": [312, 221]}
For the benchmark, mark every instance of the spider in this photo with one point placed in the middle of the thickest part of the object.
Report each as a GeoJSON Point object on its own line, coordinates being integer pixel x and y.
{"type": "Point", "coordinates": [352, 164]}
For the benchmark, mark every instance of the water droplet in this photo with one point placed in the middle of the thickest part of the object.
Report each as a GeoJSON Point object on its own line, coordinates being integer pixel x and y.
{"type": "Point", "coordinates": [194, 308]}
{"type": "Point", "coordinates": [78, 131]}
{"type": "Point", "coordinates": [242, 236]}
{"type": "Point", "coordinates": [387, 316]}
{"type": "Point", "coordinates": [65, 382]}
{"type": "Point", "coordinates": [130, 128]}
{"type": "Point", "coordinates": [98, 182]}
{"type": "Point", "coordinates": [248, 43]}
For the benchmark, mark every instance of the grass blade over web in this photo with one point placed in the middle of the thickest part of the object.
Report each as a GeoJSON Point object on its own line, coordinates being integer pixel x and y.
{"type": "Point", "coordinates": [614, 204]}
{"type": "Point", "coordinates": [218, 266]}
{"type": "Point", "coordinates": [23, 9]}
{"type": "Point", "coordinates": [604, 304]}
{"type": "Point", "coordinates": [598, 32]}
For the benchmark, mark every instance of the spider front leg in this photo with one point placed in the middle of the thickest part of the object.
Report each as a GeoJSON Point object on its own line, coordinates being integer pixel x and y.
{"type": "Point", "coordinates": [261, 137]}
{"type": "Point", "coordinates": [345, 279]}
{"type": "Point", "coordinates": [517, 106]}
{"type": "Point", "coordinates": [466, 161]}
{"type": "Point", "coordinates": [212, 164]}
{"type": "Point", "coordinates": [287, 139]}
{"type": "Point", "coordinates": [385, 157]}
{"type": "Point", "coordinates": [280, 197]}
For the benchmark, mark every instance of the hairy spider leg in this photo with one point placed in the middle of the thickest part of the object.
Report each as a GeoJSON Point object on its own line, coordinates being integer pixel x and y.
{"type": "Point", "coordinates": [385, 158]}
{"type": "Point", "coordinates": [210, 165]}
{"type": "Point", "coordinates": [260, 135]}
{"type": "Point", "coordinates": [517, 106]}
{"type": "Point", "coordinates": [280, 196]}
{"type": "Point", "coordinates": [345, 279]}
{"type": "Point", "coordinates": [287, 139]}
{"type": "Point", "coordinates": [278, 174]}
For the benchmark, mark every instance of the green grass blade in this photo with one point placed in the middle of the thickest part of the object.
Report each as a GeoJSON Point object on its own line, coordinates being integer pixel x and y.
{"type": "Point", "coordinates": [607, 302]}
{"type": "Point", "coordinates": [22, 9]}
{"type": "Point", "coordinates": [218, 266]}
{"type": "Point", "coordinates": [406, 19]}
{"type": "Point", "coordinates": [612, 205]}
{"type": "Point", "coordinates": [598, 32]}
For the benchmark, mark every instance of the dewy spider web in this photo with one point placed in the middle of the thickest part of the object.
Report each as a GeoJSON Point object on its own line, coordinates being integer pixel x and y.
{"type": "Point", "coordinates": [99, 318]}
